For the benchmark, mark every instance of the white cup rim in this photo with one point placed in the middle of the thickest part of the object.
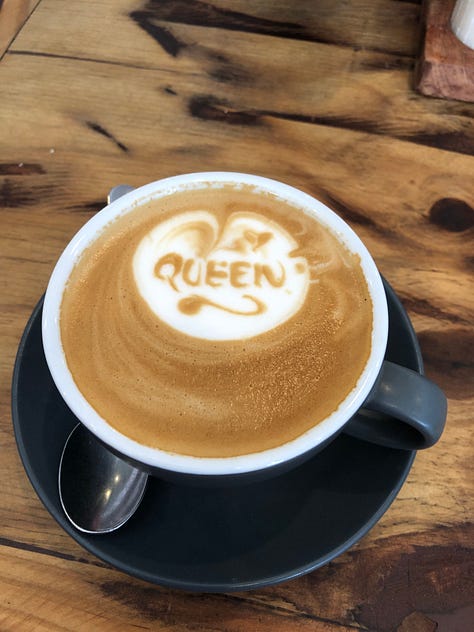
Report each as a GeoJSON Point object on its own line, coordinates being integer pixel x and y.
{"type": "Point", "coordinates": [155, 458]}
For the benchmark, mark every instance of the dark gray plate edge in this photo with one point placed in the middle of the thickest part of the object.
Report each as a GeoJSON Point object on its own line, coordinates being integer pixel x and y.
{"type": "Point", "coordinates": [34, 480]}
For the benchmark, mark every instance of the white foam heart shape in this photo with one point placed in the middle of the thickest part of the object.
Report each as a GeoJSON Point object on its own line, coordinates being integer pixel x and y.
{"type": "Point", "coordinates": [221, 283]}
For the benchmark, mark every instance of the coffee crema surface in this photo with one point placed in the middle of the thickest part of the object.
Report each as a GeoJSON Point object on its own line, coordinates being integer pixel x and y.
{"type": "Point", "coordinates": [216, 322]}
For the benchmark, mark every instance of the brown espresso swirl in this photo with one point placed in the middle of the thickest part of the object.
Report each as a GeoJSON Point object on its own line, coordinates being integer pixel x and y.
{"type": "Point", "coordinates": [260, 383]}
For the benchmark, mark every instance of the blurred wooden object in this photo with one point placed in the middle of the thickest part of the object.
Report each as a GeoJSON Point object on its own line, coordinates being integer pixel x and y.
{"type": "Point", "coordinates": [446, 65]}
{"type": "Point", "coordinates": [318, 95]}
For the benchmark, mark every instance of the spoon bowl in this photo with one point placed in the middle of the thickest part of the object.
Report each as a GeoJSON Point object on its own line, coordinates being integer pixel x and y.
{"type": "Point", "coordinates": [98, 491]}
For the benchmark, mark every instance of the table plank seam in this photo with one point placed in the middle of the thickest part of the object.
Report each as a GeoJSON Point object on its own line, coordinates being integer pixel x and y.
{"type": "Point", "coordinates": [282, 611]}
{"type": "Point", "coordinates": [34, 548]}
{"type": "Point", "coordinates": [94, 60]}
{"type": "Point", "coordinates": [28, 17]}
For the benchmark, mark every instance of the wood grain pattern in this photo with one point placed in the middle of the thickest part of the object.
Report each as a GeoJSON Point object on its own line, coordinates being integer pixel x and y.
{"type": "Point", "coordinates": [319, 95]}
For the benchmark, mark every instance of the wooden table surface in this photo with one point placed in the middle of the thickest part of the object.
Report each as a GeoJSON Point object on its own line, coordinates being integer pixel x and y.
{"type": "Point", "coordinates": [318, 94]}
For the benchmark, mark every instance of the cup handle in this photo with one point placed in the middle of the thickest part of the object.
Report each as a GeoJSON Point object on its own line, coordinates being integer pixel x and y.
{"type": "Point", "coordinates": [404, 410]}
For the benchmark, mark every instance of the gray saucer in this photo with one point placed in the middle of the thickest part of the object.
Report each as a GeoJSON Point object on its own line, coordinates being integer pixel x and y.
{"type": "Point", "coordinates": [222, 540]}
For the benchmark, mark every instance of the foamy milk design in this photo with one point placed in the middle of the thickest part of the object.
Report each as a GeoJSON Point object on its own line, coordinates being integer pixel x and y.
{"type": "Point", "coordinates": [221, 282]}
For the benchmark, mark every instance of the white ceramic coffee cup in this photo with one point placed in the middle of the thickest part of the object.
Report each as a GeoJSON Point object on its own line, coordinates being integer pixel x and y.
{"type": "Point", "coordinates": [159, 461]}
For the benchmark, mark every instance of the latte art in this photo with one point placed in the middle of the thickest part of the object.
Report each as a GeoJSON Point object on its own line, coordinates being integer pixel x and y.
{"type": "Point", "coordinates": [216, 283]}
{"type": "Point", "coordinates": [216, 321]}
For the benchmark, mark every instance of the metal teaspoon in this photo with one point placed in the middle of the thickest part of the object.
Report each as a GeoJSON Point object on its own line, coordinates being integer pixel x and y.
{"type": "Point", "coordinates": [99, 491]}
